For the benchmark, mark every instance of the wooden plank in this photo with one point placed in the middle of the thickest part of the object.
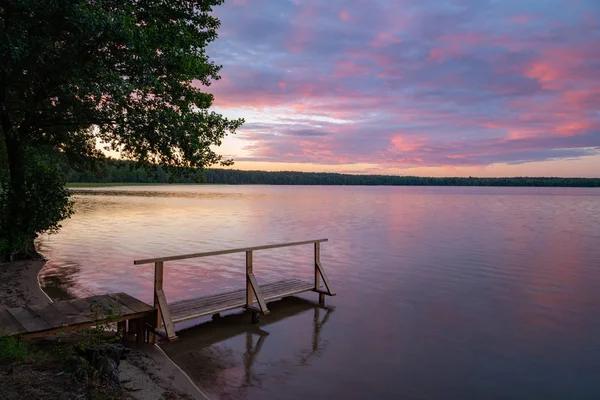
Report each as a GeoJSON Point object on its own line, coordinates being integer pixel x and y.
{"type": "Point", "coordinates": [71, 314]}
{"type": "Point", "coordinates": [83, 305]}
{"type": "Point", "coordinates": [271, 289]}
{"type": "Point", "coordinates": [215, 297]}
{"type": "Point", "coordinates": [276, 287]}
{"type": "Point", "coordinates": [207, 310]}
{"type": "Point", "coordinates": [280, 285]}
{"type": "Point", "coordinates": [111, 307]}
{"type": "Point", "coordinates": [190, 309]}
{"type": "Point", "coordinates": [131, 302]}
{"type": "Point", "coordinates": [9, 325]}
{"type": "Point", "coordinates": [258, 295]}
{"type": "Point", "coordinates": [298, 286]}
{"type": "Point", "coordinates": [229, 251]}
{"type": "Point", "coordinates": [166, 315]}
{"type": "Point", "coordinates": [50, 315]}
{"type": "Point", "coordinates": [29, 319]}
{"type": "Point", "coordinates": [208, 301]}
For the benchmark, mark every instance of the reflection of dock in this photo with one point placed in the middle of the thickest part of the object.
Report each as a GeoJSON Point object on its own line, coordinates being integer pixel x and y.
{"type": "Point", "coordinates": [253, 298]}
{"type": "Point", "coordinates": [193, 350]}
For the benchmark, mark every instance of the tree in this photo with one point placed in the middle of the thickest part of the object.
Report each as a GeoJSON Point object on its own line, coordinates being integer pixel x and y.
{"type": "Point", "coordinates": [125, 73]}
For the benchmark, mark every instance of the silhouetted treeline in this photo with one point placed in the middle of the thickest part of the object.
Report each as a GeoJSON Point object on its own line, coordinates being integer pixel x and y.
{"type": "Point", "coordinates": [111, 170]}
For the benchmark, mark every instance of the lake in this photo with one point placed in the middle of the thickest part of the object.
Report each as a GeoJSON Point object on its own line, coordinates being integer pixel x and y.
{"type": "Point", "coordinates": [442, 292]}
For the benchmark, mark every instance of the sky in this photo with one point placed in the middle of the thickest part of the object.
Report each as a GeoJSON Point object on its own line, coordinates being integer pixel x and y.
{"type": "Point", "coordinates": [418, 87]}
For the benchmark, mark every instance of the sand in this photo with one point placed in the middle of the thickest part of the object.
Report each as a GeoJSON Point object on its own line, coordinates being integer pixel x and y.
{"type": "Point", "coordinates": [148, 373]}
{"type": "Point", "coordinates": [19, 284]}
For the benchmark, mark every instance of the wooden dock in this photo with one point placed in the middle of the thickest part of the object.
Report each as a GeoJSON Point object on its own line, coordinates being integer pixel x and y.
{"type": "Point", "coordinates": [145, 321]}
{"type": "Point", "coordinates": [63, 316]}
{"type": "Point", "coordinates": [253, 298]}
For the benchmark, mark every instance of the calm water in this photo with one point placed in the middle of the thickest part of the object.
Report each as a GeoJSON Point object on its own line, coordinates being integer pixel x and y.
{"type": "Point", "coordinates": [442, 292]}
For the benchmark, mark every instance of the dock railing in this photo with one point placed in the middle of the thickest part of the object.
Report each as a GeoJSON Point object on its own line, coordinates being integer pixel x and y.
{"type": "Point", "coordinates": [253, 291]}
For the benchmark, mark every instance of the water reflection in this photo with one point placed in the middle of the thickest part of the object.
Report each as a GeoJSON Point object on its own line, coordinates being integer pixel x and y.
{"type": "Point", "coordinates": [224, 355]}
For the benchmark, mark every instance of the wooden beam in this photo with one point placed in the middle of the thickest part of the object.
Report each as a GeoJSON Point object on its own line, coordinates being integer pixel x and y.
{"type": "Point", "coordinates": [140, 331]}
{"type": "Point", "coordinates": [317, 261]}
{"type": "Point", "coordinates": [249, 291]}
{"type": "Point", "coordinates": [220, 252]}
{"type": "Point", "coordinates": [259, 297]}
{"type": "Point", "coordinates": [166, 315]}
{"type": "Point", "coordinates": [325, 280]}
{"type": "Point", "coordinates": [158, 285]}
{"type": "Point", "coordinates": [322, 291]}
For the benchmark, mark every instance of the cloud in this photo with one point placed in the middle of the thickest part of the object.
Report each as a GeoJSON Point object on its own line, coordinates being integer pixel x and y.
{"type": "Point", "coordinates": [412, 83]}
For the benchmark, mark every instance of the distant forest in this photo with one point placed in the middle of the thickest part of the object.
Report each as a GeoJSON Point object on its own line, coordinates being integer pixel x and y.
{"type": "Point", "coordinates": [110, 170]}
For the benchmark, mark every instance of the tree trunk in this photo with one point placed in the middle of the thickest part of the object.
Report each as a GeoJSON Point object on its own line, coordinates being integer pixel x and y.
{"type": "Point", "coordinates": [20, 240]}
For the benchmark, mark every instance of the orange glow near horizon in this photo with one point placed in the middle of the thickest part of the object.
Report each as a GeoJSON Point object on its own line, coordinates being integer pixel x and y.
{"type": "Point", "coordinates": [585, 167]}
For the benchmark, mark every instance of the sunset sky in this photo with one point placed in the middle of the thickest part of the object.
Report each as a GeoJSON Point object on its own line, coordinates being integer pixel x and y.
{"type": "Point", "coordinates": [425, 87]}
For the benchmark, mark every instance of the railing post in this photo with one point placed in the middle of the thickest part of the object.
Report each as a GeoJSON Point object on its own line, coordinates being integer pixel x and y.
{"type": "Point", "coordinates": [249, 290]}
{"type": "Point", "coordinates": [158, 285]}
{"type": "Point", "coordinates": [317, 272]}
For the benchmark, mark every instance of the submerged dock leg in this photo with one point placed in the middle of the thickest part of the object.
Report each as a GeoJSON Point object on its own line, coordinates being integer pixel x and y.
{"type": "Point", "coordinates": [321, 299]}
{"type": "Point", "coordinates": [255, 318]}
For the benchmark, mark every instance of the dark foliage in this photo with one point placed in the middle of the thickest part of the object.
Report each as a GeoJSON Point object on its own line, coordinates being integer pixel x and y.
{"type": "Point", "coordinates": [110, 171]}
{"type": "Point", "coordinates": [75, 73]}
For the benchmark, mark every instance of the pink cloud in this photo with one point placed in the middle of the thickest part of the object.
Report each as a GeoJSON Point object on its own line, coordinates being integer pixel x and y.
{"type": "Point", "coordinates": [303, 34]}
{"type": "Point", "coordinates": [384, 38]}
{"type": "Point", "coordinates": [407, 144]}
{"type": "Point", "coordinates": [347, 68]}
{"type": "Point", "coordinates": [414, 84]}
{"type": "Point", "coordinates": [522, 19]}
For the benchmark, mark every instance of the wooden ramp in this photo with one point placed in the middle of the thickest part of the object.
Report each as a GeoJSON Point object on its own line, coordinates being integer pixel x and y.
{"type": "Point", "coordinates": [253, 298]}
{"type": "Point", "coordinates": [208, 305]}
{"type": "Point", "coordinates": [63, 316]}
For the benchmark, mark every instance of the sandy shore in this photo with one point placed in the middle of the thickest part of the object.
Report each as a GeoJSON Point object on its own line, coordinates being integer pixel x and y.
{"type": "Point", "coordinates": [147, 374]}
{"type": "Point", "coordinates": [19, 284]}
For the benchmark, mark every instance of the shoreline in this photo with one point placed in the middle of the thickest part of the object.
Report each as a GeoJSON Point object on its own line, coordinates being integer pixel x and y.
{"type": "Point", "coordinates": [148, 371]}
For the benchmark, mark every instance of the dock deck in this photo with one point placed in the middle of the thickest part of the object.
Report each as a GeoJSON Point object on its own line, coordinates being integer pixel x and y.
{"type": "Point", "coordinates": [208, 305]}
{"type": "Point", "coordinates": [62, 316]}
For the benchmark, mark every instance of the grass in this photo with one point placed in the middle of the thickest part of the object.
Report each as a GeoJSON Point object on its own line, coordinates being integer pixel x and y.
{"type": "Point", "coordinates": [56, 368]}
{"type": "Point", "coordinates": [14, 350]}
